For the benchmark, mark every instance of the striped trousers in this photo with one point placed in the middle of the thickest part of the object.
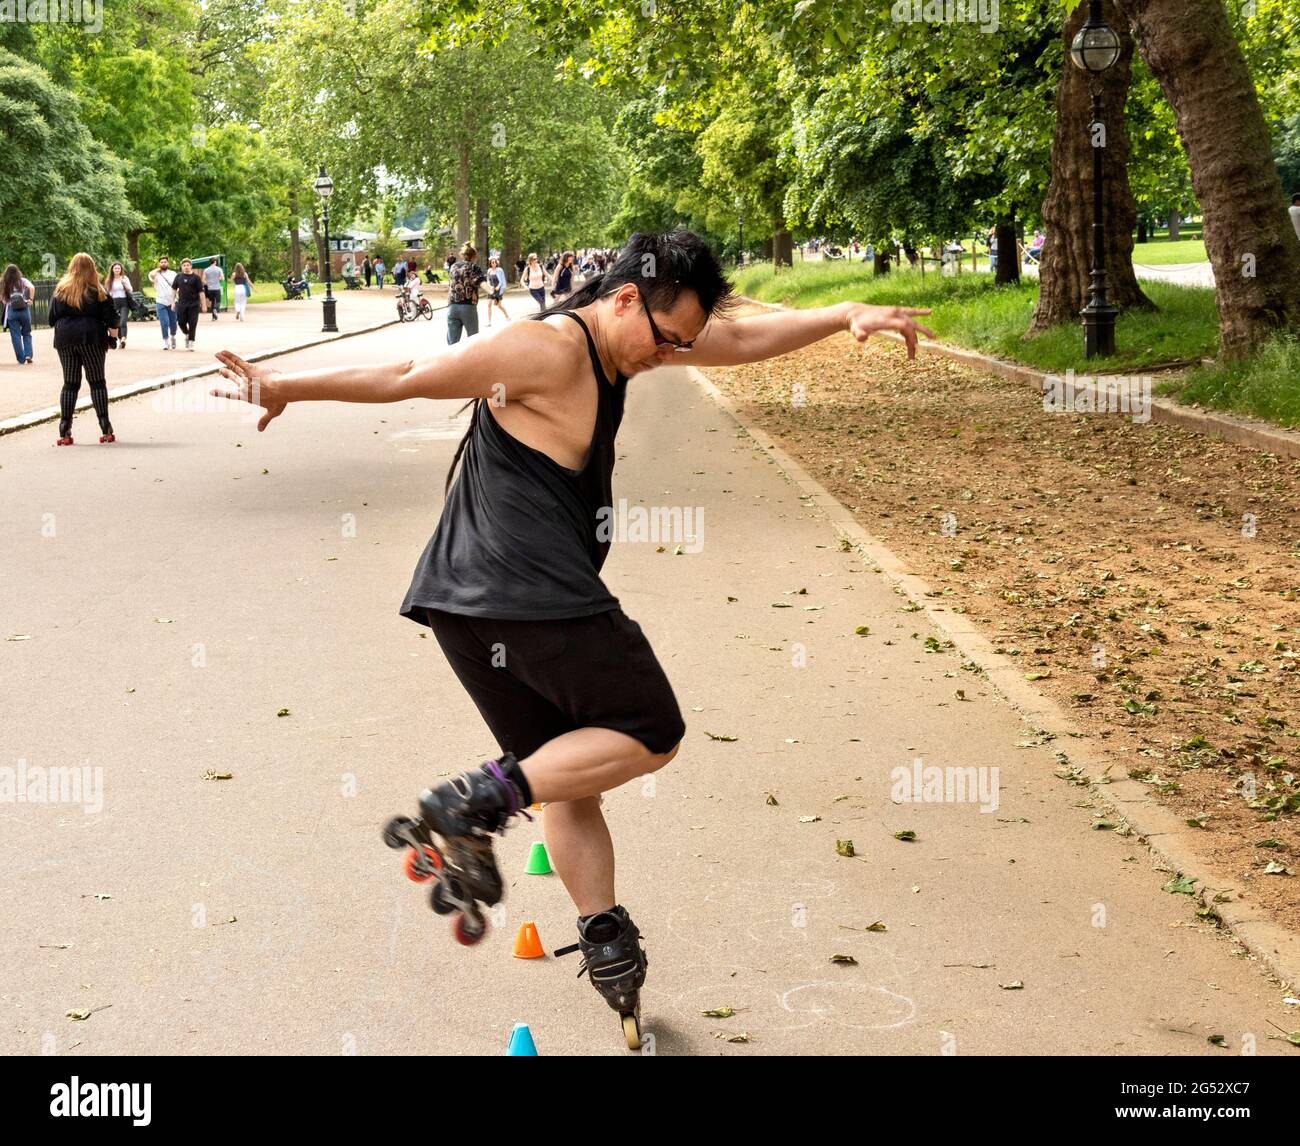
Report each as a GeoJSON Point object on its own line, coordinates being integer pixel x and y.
{"type": "Point", "coordinates": [75, 360]}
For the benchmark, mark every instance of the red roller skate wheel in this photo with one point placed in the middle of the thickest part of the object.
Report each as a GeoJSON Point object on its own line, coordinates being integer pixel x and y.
{"type": "Point", "coordinates": [418, 877]}
{"type": "Point", "coordinates": [464, 936]}
{"type": "Point", "coordinates": [107, 438]}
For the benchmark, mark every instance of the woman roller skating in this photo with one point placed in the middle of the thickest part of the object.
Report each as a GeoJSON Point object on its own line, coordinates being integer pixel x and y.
{"type": "Point", "coordinates": [509, 582]}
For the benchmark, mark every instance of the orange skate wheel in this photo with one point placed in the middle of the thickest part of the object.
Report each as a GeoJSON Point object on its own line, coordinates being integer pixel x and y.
{"type": "Point", "coordinates": [419, 877]}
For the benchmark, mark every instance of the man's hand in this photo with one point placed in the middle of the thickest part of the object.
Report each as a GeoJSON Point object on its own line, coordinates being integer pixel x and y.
{"type": "Point", "coordinates": [257, 385]}
{"type": "Point", "coordinates": [862, 321]}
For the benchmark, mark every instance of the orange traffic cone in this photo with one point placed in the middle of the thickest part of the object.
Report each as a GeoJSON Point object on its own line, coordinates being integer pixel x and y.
{"type": "Point", "coordinates": [527, 943]}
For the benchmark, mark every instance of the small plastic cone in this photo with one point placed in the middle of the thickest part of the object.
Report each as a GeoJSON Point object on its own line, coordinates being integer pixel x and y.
{"type": "Point", "coordinates": [538, 861]}
{"type": "Point", "coordinates": [527, 943]}
{"type": "Point", "coordinates": [521, 1042]}
{"type": "Point", "coordinates": [534, 807]}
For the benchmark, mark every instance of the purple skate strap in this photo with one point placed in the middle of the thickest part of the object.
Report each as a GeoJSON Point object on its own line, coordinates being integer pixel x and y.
{"type": "Point", "coordinates": [494, 769]}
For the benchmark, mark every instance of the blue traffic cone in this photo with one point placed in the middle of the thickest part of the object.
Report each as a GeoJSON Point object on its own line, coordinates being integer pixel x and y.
{"type": "Point", "coordinates": [521, 1041]}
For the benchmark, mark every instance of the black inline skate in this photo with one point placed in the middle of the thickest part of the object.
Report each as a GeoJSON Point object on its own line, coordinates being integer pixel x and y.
{"type": "Point", "coordinates": [461, 813]}
{"type": "Point", "coordinates": [613, 955]}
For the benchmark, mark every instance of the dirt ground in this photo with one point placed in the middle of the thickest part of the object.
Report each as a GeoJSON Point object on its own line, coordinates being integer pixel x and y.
{"type": "Point", "coordinates": [1146, 577]}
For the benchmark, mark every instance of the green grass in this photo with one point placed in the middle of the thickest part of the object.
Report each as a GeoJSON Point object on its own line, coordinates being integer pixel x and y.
{"type": "Point", "coordinates": [1162, 251]}
{"type": "Point", "coordinates": [1266, 385]}
{"type": "Point", "coordinates": [970, 310]}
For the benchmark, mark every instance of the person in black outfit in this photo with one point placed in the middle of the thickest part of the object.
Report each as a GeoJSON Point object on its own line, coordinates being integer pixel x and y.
{"type": "Point", "coordinates": [367, 270]}
{"type": "Point", "coordinates": [580, 704]}
{"type": "Point", "coordinates": [189, 289]}
{"type": "Point", "coordinates": [83, 318]}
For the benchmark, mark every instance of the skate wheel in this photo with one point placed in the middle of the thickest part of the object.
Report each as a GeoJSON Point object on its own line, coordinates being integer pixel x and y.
{"type": "Point", "coordinates": [392, 828]}
{"type": "Point", "coordinates": [438, 899]}
{"type": "Point", "coordinates": [466, 933]}
{"type": "Point", "coordinates": [632, 1031]}
{"type": "Point", "coordinates": [418, 876]}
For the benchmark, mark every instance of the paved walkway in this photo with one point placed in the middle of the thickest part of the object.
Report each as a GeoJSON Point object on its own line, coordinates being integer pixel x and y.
{"type": "Point", "coordinates": [183, 587]}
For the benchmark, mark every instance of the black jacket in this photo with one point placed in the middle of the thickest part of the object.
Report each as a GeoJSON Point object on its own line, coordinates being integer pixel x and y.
{"type": "Point", "coordinates": [84, 325]}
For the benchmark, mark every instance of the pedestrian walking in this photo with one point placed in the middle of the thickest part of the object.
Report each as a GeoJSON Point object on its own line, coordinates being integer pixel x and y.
{"type": "Point", "coordinates": [380, 268]}
{"type": "Point", "coordinates": [85, 325]}
{"type": "Point", "coordinates": [19, 294]}
{"type": "Point", "coordinates": [367, 270]}
{"type": "Point", "coordinates": [242, 288]}
{"type": "Point", "coordinates": [119, 291]}
{"type": "Point", "coordinates": [162, 277]}
{"type": "Point", "coordinates": [534, 280]}
{"type": "Point", "coordinates": [213, 277]}
{"type": "Point", "coordinates": [497, 285]}
{"type": "Point", "coordinates": [463, 281]}
{"type": "Point", "coordinates": [189, 290]}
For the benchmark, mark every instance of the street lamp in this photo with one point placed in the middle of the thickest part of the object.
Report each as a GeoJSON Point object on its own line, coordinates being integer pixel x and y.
{"type": "Point", "coordinates": [324, 188]}
{"type": "Point", "coordinates": [1095, 48]}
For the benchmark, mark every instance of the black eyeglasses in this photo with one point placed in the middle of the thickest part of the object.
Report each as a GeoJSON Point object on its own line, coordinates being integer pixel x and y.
{"type": "Point", "coordinates": [659, 338]}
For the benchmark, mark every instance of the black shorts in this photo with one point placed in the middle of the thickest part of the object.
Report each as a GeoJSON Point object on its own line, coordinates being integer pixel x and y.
{"type": "Point", "coordinates": [535, 680]}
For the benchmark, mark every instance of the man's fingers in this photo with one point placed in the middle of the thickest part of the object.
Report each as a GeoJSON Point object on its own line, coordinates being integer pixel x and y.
{"type": "Point", "coordinates": [926, 331]}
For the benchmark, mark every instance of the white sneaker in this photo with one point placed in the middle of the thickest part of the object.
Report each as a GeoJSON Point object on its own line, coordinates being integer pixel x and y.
{"type": "Point", "coordinates": [173, 342]}
{"type": "Point", "coordinates": [165, 346]}
{"type": "Point", "coordinates": [189, 344]}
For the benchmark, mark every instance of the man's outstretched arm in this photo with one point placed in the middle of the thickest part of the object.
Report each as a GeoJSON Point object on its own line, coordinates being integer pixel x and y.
{"type": "Point", "coordinates": [509, 365]}
{"type": "Point", "coordinates": [752, 339]}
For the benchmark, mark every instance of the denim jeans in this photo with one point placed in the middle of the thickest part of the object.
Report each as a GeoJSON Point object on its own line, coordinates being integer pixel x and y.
{"type": "Point", "coordinates": [20, 331]}
{"type": "Point", "coordinates": [539, 294]}
{"type": "Point", "coordinates": [167, 320]}
{"type": "Point", "coordinates": [461, 315]}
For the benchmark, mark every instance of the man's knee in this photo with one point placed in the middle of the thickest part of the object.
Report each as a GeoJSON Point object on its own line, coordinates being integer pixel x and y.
{"type": "Point", "coordinates": [658, 759]}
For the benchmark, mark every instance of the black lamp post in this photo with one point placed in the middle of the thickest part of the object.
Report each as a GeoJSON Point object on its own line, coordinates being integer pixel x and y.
{"type": "Point", "coordinates": [1095, 48]}
{"type": "Point", "coordinates": [324, 188]}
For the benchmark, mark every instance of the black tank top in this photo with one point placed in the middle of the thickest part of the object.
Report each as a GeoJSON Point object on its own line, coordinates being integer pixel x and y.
{"type": "Point", "coordinates": [518, 536]}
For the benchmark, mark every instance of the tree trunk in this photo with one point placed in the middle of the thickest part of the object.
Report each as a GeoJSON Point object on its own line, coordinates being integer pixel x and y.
{"type": "Point", "coordinates": [767, 248]}
{"type": "Point", "coordinates": [1067, 210]}
{"type": "Point", "coordinates": [511, 246]}
{"type": "Point", "coordinates": [783, 246]}
{"type": "Point", "coordinates": [295, 246]}
{"type": "Point", "coordinates": [481, 229]}
{"type": "Point", "coordinates": [1142, 229]}
{"type": "Point", "coordinates": [880, 262]}
{"type": "Point", "coordinates": [1190, 48]}
{"type": "Point", "coordinates": [133, 246]}
{"type": "Point", "coordinates": [318, 240]}
{"type": "Point", "coordinates": [1175, 221]}
{"type": "Point", "coordinates": [1008, 252]}
{"type": "Point", "coordinates": [462, 193]}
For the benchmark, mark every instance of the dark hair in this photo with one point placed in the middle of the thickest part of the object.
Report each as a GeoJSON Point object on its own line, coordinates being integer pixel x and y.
{"type": "Point", "coordinates": [661, 266]}
{"type": "Point", "coordinates": [13, 279]}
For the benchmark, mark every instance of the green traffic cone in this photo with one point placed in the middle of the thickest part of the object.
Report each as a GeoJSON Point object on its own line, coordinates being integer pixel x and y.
{"type": "Point", "coordinates": [538, 864]}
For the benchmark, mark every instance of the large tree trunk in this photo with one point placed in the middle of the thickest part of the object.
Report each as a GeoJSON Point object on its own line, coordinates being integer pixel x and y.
{"type": "Point", "coordinates": [782, 246]}
{"type": "Point", "coordinates": [511, 246]}
{"type": "Point", "coordinates": [462, 192]}
{"type": "Point", "coordinates": [880, 262]}
{"type": "Point", "coordinates": [1008, 251]}
{"type": "Point", "coordinates": [1194, 56]}
{"type": "Point", "coordinates": [295, 246]}
{"type": "Point", "coordinates": [481, 229]}
{"type": "Point", "coordinates": [1067, 210]}
{"type": "Point", "coordinates": [133, 246]}
{"type": "Point", "coordinates": [1175, 221]}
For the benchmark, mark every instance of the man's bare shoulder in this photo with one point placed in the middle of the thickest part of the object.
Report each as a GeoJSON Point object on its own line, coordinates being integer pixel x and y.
{"type": "Point", "coordinates": [543, 353]}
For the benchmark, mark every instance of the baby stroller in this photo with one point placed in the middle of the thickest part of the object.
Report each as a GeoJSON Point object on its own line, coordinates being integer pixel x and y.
{"type": "Point", "coordinates": [140, 308]}
{"type": "Point", "coordinates": [295, 288]}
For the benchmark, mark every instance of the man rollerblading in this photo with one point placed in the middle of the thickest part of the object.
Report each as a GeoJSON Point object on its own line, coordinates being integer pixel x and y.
{"type": "Point", "coordinates": [509, 583]}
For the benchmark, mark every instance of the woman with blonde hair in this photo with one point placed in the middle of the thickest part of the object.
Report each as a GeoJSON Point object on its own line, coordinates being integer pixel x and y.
{"type": "Point", "coordinates": [85, 325]}
{"type": "Point", "coordinates": [534, 279]}
{"type": "Point", "coordinates": [118, 287]}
